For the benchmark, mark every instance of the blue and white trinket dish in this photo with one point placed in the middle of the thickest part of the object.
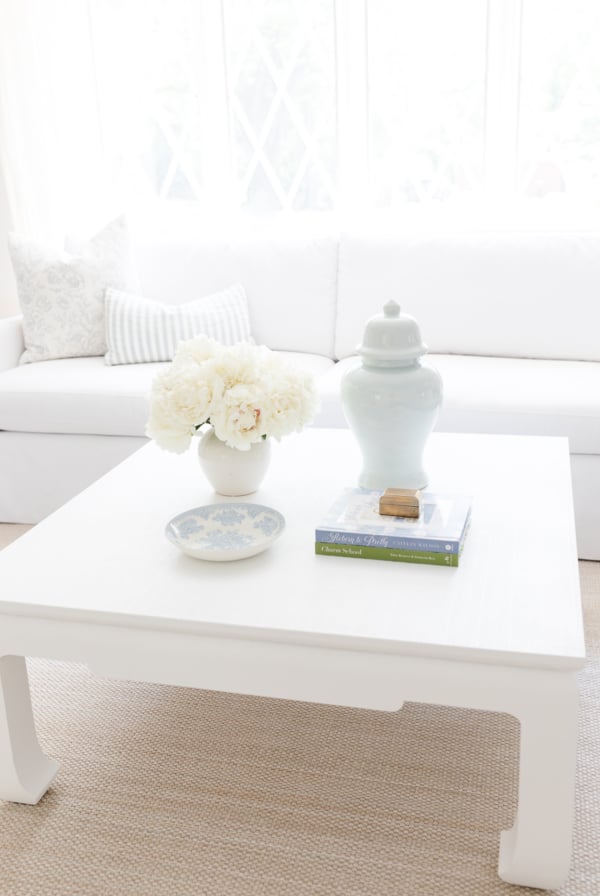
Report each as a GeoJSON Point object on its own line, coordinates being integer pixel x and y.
{"type": "Point", "coordinates": [225, 531]}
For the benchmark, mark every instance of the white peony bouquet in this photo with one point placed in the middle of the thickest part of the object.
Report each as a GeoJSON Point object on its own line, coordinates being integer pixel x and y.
{"type": "Point", "coordinates": [246, 392]}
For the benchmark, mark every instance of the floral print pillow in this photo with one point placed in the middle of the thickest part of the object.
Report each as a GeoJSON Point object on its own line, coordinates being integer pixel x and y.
{"type": "Point", "coordinates": [62, 295]}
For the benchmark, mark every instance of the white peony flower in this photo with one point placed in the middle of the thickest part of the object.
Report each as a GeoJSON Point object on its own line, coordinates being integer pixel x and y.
{"type": "Point", "coordinates": [292, 399]}
{"type": "Point", "coordinates": [166, 434]}
{"type": "Point", "coordinates": [199, 349]}
{"type": "Point", "coordinates": [237, 420]}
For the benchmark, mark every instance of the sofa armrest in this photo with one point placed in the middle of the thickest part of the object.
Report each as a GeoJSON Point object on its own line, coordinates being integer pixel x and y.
{"type": "Point", "coordinates": [12, 344]}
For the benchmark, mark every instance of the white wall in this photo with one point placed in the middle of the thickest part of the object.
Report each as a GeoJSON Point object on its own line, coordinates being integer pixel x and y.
{"type": "Point", "coordinates": [8, 291]}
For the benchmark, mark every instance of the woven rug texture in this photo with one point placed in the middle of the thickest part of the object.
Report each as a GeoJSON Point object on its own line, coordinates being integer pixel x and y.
{"type": "Point", "coordinates": [167, 791]}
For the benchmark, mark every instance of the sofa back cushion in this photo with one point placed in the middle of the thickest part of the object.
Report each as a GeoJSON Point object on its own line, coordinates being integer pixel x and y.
{"type": "Point", "coordinates": [289, 279]}
{"type": "Point", "coordinates": [528, 295]}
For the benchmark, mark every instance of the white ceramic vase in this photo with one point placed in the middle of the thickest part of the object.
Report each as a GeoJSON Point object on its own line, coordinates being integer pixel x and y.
{"type": "Point", "coordinates": [230, 471]}
{"type": "Point", "coordinates": [391, 400]}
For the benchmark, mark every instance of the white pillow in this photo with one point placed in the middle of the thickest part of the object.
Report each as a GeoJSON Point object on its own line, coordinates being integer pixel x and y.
{"type": "Point", "coordinates": [139, 330]}
{"type": "Point", "coordinates": [62, 295]}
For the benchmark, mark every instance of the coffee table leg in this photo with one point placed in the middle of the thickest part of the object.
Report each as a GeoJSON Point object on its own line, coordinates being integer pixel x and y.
{"type": "Point", "coordinates": [25, 772]}
{"type": "Point", "coordinates": [536, 851]}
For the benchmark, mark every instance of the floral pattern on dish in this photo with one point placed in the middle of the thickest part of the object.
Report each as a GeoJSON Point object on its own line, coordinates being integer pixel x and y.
{"type": "Point", "coordinates": [225, 531]}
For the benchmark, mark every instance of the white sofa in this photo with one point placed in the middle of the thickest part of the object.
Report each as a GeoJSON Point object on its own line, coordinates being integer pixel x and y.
{"type": "Point", "coordinates": [512, 322]}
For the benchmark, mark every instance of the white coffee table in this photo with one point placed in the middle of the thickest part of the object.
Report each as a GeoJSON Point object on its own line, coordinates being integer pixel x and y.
{"type": "Point", "coordinates": [97, 582]}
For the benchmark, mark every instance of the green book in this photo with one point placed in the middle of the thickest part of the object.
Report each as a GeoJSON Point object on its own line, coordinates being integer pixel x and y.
{"type": "Point", "coordinates": [435, 558]}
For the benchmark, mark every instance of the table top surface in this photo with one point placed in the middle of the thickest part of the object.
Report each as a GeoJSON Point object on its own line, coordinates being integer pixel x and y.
{"type": "Point", "coordinates": [514, 599]}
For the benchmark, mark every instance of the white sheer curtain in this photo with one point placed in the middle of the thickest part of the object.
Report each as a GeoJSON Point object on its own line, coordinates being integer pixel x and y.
{"type": "Point", "coordinates": [269, 106]}
{"type": "Point", "coordinates": [50, 146]}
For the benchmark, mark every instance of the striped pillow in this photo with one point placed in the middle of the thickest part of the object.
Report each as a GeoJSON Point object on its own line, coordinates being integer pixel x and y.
{"type": "Point", "coordinates": [139, 330]}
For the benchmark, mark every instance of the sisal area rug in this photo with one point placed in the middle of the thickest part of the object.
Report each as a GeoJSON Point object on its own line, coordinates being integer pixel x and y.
{"type": "Point", "coordinates": [167, 791]}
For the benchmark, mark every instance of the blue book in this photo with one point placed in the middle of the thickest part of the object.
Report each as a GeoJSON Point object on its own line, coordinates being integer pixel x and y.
{"type": "Point", "coordinates": [354, 519]}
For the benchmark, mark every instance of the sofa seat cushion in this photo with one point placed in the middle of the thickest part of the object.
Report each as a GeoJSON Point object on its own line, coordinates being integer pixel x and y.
{"type": "Point", "coordinates": [505, 395]}
{"type": "Point", "coordinates": [84, 396]}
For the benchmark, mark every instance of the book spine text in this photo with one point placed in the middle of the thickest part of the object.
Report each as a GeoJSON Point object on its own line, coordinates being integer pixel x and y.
{"type": "Point", "coordinates": [388, 542]}
{"type": "Point", "coordinates": [434, 558]}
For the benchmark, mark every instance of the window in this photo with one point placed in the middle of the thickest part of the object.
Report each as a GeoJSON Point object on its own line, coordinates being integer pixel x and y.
{"type": "Point", "coordinates": [293, 105]}
{"type": "Point", "coordinates": [281, 87]}
{"type": "Point", "coordinates": [427, 71]}
{"type": "Point", "coordinates": [559, 108]}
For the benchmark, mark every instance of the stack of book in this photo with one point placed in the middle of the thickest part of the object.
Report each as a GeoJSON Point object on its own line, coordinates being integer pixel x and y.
{"type": "Point", "coordinates": [353, 527]}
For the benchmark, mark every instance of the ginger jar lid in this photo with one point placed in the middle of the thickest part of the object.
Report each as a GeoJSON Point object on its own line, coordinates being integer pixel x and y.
{"type": "Point", "coordinates": [391, 337]}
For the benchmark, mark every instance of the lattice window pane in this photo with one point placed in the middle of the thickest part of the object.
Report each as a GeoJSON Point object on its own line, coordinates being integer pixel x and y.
{"type": "Point", "coordinates": [281, 81]}
{"type": "Point", "coordinates": [559, 127]}
{"type": "Point", "coordinates": [148, 87]}
{"type": "Point", "coordinates": [426, 98]}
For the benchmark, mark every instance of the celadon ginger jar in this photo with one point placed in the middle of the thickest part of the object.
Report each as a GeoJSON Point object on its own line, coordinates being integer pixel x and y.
{"type": "Point", "coordinates": [391, 400]}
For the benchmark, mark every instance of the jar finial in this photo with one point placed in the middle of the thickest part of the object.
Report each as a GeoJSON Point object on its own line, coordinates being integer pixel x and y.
{"type": "Point", "coordinates": [391, 309]}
